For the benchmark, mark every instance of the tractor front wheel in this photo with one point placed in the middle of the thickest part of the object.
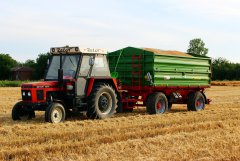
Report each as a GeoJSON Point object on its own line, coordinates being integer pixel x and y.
{"type": "Point", "coordinates": [102, 102]}
{"type": "Point", "coordinates": [20, 112]}
{"type": "Point", "coordinates": [55, 113]}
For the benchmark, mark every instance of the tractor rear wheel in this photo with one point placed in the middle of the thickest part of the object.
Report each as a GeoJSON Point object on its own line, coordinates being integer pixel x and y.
{"type": "Point", "coordinates": [55, 113]}
{"type": "Point", "coordinates": [196, 101]}
{"type": "Point", "coordinates": [19, 112]}
{"type": "Point", "coordinates": [157, 103]}
{"type": "Point", "coordinates": [102, 102]}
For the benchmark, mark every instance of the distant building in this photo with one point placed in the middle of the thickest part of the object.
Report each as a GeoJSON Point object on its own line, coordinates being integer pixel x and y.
{"type": "Point", "coordinates": [21, 73]}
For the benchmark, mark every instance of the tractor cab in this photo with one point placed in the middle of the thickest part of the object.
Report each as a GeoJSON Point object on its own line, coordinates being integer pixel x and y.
{"type": "Point", "coordinates": [72, 62]}
{"type": "Point", "coordinates": [73, 76]}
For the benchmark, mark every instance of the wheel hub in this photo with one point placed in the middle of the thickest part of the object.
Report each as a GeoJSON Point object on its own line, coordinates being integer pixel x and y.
{"type": "Point", "coordinates": [56, 115]}
{"type": "Point", "coordinates": [104, 103]}
{"type": "Point", "coordinates": [199, 104]}
{"type": "Point", "coordinates": [158, 105]}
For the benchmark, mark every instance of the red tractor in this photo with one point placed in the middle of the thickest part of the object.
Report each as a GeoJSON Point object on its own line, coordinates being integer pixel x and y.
{"type": "Point", "coordinates": [76, 79]}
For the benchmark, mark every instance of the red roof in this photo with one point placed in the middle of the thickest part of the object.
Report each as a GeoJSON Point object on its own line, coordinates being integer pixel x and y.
{"type": "Point", "coordinates": [21, 69]}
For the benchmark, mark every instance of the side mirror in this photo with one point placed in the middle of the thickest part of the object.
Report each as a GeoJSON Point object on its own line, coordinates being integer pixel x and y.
{"type": "Point", "coordinates": [91, 61]}
{"type": "Point", "coordinates": [48, 61]}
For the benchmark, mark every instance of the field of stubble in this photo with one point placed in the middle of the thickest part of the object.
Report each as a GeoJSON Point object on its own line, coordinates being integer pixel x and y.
{"type": "Point", "coordinates": [212, 134]}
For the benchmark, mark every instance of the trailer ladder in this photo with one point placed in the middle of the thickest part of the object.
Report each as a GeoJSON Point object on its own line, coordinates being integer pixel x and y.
{"type": "Point", "coordinates": [136, 75]}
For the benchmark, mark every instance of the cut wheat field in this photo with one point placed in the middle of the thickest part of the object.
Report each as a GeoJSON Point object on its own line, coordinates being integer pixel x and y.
{"type": "Point", "coordinates": [212, 134]}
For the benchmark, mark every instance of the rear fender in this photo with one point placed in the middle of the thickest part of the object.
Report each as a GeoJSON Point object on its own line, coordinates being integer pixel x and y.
{"type": "Point", "coordinates": [110, 81]}
{"type": "Point", "coordinates": [59, 101]}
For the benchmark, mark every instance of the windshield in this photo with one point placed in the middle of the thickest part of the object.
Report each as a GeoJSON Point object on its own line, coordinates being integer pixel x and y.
{"type": "Point", "coordinates": [69, 65]}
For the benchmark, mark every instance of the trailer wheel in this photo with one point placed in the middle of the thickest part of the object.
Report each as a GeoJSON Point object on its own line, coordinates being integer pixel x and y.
{"type": "Point", "coordinates": [55, 113]}
{"type": "Point", "coordinates": [196, 101]}
{"type": "Point", "coordinates": [102, 102]}
{"type": "Point", "coordinates": [157, 103]}
{"type": "Point", "coordinates": [19, 112]}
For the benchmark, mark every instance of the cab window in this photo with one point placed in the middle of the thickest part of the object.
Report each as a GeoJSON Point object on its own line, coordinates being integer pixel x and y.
{"type": "Point", "coordinates": [100, 67]}
{"type": "Point", "coordinates": [85, 67]}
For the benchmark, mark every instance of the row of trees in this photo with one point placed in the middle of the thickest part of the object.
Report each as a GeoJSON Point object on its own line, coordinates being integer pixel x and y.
{"type": "Point", "coordinates": [6, 63]}
{"type": "Point", "coordinates": [39, 65]}
{"type": "Point", "coordinates": [222, 69]}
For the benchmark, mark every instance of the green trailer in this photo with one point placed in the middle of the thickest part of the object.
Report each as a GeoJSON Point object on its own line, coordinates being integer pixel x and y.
{"type": "Point", "coordinates": [147, 75]}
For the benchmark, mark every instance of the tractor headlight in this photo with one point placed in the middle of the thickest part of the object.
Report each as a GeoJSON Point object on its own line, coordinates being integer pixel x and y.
{"type": "Point", "coordinates": [26, 95]}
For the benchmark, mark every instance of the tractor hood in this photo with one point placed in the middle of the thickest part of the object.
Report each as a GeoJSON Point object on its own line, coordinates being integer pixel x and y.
{"type": "Point", "coordinates": [44, 84]}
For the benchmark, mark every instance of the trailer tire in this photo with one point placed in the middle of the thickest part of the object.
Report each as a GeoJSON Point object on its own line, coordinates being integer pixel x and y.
{"type": "Point", "coordinates": [196, 101]}
{"type": "Point", "coordinates": [157, 103]}
{"type": "Point", "coordinates": [102, 102]}
{"type": "Point", "coordinates": [55, 113]}
{"type": "Point", "coordinates": [21, 113]}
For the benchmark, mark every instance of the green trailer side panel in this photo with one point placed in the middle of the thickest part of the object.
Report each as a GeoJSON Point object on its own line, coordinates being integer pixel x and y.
{"type": "Point", "coordinates": [133, 64]}
{"type": "Point", "coordinates": [181, 71]}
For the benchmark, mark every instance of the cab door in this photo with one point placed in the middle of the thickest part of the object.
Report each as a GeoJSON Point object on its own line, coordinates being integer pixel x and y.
{"type": "Point", "coordinates": [83, 76]}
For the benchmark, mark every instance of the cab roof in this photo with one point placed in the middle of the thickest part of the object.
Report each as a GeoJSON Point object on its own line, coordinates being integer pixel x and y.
{"type": "Point", "coordinates": [76, 50]}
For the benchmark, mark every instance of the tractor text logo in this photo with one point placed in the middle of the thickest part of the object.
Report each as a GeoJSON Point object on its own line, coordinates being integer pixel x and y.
{"type": "Point", "coordinates": [61, 50]}
{"type": "Point", "coordinates": [65, 50]}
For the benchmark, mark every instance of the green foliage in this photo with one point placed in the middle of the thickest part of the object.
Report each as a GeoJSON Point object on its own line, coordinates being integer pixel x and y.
{"type": "Point", "coordinates": [224, 70]}
{"type": "Point", "coordinates": [7, 62]}
{"type": "Point", "coordinates": [41, 65]}
{"type": "Point", "coordinates": [30, 63]}
{"type": "Point", "coordinates": [197, 46]}
{"type": "Point", "coordinates": [7, 83]}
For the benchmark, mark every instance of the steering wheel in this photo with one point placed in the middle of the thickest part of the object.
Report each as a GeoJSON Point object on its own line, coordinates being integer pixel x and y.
{"type": "Point", "coordinates": [69, 74]}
